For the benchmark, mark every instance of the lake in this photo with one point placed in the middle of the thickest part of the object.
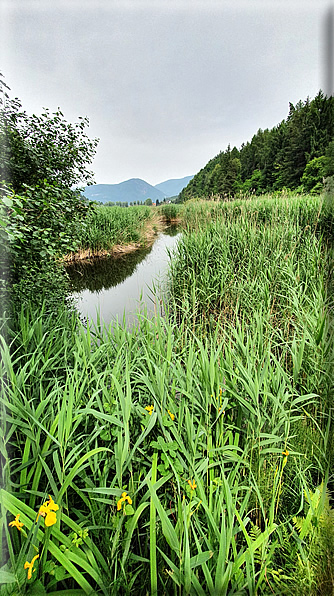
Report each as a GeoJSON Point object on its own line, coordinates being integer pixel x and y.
{"type": "Point", "coordinates": [119, 286]}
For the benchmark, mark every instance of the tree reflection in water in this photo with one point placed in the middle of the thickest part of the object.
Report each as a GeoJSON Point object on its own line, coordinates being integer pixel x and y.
{"type": "Point", "coordinates": [117, 286]}
{"type": "Point", "coordinates": [106, 272]}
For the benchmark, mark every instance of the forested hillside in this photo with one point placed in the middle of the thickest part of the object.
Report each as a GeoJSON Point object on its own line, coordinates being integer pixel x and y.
{"type": "Point", "coordinates": [298, 152]}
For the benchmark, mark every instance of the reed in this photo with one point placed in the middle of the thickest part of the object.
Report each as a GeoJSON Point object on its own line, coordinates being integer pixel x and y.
{"type": "Point", "coordinates": [106, 227]}
{"type": "Point", "coordinates": [272, 256]}
{"type": "Point", "coordinates": [170, 212]}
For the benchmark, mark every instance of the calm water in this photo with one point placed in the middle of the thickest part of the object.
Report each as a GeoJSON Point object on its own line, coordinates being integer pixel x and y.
{"type": "Point", "coordinates": [120, 285]}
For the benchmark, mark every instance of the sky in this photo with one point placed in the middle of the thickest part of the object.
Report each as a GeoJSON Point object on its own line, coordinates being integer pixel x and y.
{"type": "Point", "coordinates": [166, 84]}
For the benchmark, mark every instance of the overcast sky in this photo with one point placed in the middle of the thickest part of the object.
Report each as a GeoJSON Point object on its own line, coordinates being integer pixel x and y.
{"type": "Point", "coordinates": [166, 84]}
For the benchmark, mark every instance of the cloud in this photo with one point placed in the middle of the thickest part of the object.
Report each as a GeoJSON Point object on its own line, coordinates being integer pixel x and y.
{"type": "Point", "coordinates": [166, 85]}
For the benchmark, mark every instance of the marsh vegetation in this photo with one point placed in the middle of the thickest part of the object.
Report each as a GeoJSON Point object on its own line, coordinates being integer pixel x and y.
{"type": "Point", "coordinates": [189, 453]}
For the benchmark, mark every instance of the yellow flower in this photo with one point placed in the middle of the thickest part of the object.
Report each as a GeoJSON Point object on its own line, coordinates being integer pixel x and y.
{"type": "Point", "coordinates": [285, 453]}
{"type": "Point", "coordinates": [51, 504]}
{"type": "Point", "coordinates": [192, 484]}
{"type": "Point", "coordinates": [16, 523]}
{"type": "Point", "coordinates": [43, 510]}
{"type": "Point", "coordinates": [124, 497]}
{"type": "Point", "coordinates": [50, 518]}
{"type": "Point", "coordinates": [29, 566]}
{"type": "Point", "coordinates": [149, 408]}
{"type": "Point", "coordinates": [47, 510]}
{"type": "Point", "coordinates": [172, 416]}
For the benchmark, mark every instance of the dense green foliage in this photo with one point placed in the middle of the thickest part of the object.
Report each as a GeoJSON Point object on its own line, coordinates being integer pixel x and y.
{"type": "Point", "coordinates": [274, 159]}
{"type": "Point", "coordinates": [244, 256]}
{"type": "Point", "coordinates": [42, 157]}
{"type": "Point", "coordinates": [48, 221]}
{"type": "Point", "coordinates": [36, 148]}
{"type": "Point", "coordinates": [170, 211]}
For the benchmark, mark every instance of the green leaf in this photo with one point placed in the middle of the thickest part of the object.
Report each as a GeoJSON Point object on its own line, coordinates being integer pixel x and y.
{"type": "Point", "coordinates": [68, 593]}
{"type": "Point", "coordinates": [36, 588]}
{"type": "Point", "coordinates": [201, 558]}
{"type": "Point", "coordinates": [60, 573]}
{"type": "Point", "coordinates": [167, 527]}
{"type": "Point", "coordinates": [105, 435]}
{"type": "Point", "coordinates": [6, 577]}
{"type": "Point", "coordinates": [7, 201]}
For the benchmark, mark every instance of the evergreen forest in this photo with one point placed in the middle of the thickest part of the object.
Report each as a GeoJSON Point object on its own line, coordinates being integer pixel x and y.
{"type": "Point", "coordinates": [297, 154]}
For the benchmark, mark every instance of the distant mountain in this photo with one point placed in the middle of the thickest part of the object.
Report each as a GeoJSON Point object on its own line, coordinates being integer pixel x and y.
{"type": "Point", "coordinates": [130, 191]}
{"type": "Point", "coordinates": [173, 187]}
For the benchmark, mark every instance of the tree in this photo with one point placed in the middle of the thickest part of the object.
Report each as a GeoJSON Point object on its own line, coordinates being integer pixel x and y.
{"type": "Point", "coordinates": [275, 158]}
{"type": "Point", "coordinates": [148, 202]}
{"type": "Point", "coordinates": [329, 163]}
{"type": "Point", "coordinates": [254, 183]}
{"type": "Point", "coordinates": [41, 158]}
{"type": "Point", "coordinates": [45, 147]}
{"type": "Point", "coordinates": [313, 174]}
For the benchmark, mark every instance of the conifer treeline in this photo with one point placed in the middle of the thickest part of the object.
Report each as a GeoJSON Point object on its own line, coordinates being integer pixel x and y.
{"type": "Point", "coordinates": [298, 152]}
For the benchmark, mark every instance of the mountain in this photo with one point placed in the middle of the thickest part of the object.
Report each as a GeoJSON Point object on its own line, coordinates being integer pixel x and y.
{"type": "Point", "coordinates": [130, 191]}
{"type": "Point", "coordinates": [173, 187]}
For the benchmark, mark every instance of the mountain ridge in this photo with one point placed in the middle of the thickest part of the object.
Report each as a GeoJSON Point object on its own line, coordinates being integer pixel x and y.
{"type": "Point", "coordinates": [135, 189]}
{"type": "Point", "coordinates": [173, 186]}
{"type": "Point", "coordinates": [130, 191]}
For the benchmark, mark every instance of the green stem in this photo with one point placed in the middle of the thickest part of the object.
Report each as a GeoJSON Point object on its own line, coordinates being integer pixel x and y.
{"type": "Point", "coordinates": [153, 562]}
{"type": "Point", "coordinates": [44, 553]}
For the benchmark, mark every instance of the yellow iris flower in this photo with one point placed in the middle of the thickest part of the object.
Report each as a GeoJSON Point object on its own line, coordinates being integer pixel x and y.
{"type": "Point", "coordinates": [16, 523]}
{"type": "Point", "coordinates": [47, 510]}
{"type": "Point", "coordinates": [124, 497]}
{"type": "Point", "coordinates": [29, 566]}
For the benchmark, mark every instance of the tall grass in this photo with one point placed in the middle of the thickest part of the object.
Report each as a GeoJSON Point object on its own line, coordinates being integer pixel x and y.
{"type": "Point", "coordinates": [221, 441]}
{"type": "Point", "coordinates": [304, 210]}
{"type": "Point", "coordinates": [170, 212]}
{"type": "Point", "coordinates": [107, 226]}
{"type": "Point", "coordinates": [272, 257]}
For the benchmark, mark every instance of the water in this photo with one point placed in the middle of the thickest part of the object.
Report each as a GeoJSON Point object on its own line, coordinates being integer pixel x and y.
{"type": "Point", "coordinates": [121, 285]}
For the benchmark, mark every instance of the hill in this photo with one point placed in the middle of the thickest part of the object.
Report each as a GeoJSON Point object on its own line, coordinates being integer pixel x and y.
{"type": "Point", "coordinates": [130, 191]}
{"type": "Point", "coordinates": [172, 187]}
{"type": "Point", "coordinates": [298, 153]}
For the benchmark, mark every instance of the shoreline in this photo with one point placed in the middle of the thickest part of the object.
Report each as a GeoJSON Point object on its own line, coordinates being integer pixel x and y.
{"type": "Point", "coordinates": [152, 231]}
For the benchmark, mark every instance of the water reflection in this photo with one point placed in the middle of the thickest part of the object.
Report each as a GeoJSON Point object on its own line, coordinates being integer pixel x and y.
{"type": "Point", "coordinates": [119, 285]}
{"type": "Point", "coordinates": [106, 272]}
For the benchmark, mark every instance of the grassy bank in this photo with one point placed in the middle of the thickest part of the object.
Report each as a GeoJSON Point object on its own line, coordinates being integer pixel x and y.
{"type": "Point", "coordinates": [109, 229]}
{"type": "Point", "coordinates": [190, 454]}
